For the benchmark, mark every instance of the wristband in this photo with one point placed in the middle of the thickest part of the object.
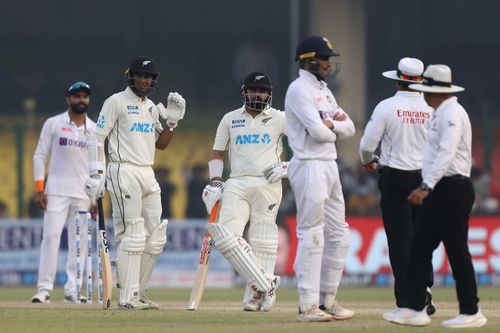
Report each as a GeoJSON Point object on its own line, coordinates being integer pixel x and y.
{"type": "Point", "coordinates": [215, 168]}
{"type": "Point", "coordinates": [39, 185]}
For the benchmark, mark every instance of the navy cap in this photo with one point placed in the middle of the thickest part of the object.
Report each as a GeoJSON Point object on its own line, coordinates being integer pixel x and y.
{"type": "Point", "coordinates": [314, 46]}
{"type": "Point", "coordinates": [77, 86]}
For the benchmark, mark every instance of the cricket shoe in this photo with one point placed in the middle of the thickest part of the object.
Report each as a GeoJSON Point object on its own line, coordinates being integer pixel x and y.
{"type": "Point", "coordinates": [311, 313]}
{"type": "Point", "coordinates": [255, 302]}
{"type": "Point", "coordinates": [69, 298]}
{"type": "Point", "coordinates": [42, 296]}
{"type": "Point", "coordinates": [431, 308]}
{"type": "Point", "coordinates": [337, 312]}
{"type": "Point", "coordinates": [134, 304]}
{"type": "Point", "coordinates": [464, 321]}
{"type": "Point", "coordinates": [152, 305]}
{"type": "Point", "coordinates": [269, 297]}
{"type": "Point", "coordinates": [409, 317]}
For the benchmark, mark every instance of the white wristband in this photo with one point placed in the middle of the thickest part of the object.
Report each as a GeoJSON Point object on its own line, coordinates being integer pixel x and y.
{"type": "Point", "coordinates": [215, 168]}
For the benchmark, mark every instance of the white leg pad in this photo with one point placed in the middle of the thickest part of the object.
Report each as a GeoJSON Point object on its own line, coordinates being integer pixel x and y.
{"type": "Point", "coordinates": [129, 259]}
{"type": "Point", "coordinates": [154, 247]}
{"type": "Point", "coordinates": [239, 253]}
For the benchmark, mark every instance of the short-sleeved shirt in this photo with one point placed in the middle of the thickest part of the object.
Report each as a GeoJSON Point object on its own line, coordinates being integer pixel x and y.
{"type": "Point", "coordinates": [253, 143]}
{"type": "Point", "coordinates": [66, 144]}
{"type": "Point", "coordinates": [399, 124]}
{"type": "Point", "coordinates": [132, 127]}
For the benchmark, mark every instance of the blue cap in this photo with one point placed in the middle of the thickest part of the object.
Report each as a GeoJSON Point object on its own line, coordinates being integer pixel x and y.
{"type": "Point", "coordinates": [77, 86]}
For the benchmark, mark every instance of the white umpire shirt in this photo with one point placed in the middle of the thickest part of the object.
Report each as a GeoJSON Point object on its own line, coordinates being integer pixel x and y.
{"type": "Point", "coordinates": [66, 144]}
{"type": "Point", "coordinates": [307, 102]}
{"type": "Point", "coordinates": [132, 127]}
{"type": "Point", "coordinates": [253, 144]}
{"type": "Point", "coordinates": [448, 150]}
{"type": "Point", "coordinates": [399, 124]}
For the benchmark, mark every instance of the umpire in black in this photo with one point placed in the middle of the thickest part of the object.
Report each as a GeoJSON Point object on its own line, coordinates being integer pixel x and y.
{"type": "Point", "coordinates": [446, 195]}
{"type": "Point", "coordinates": [399, 125]}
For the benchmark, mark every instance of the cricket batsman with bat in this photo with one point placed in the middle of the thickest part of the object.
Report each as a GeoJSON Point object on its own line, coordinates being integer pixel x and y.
{"type": "Point", "coordinates": [252, 135]}
{"type": "Point", "coordinates": [131, 123]}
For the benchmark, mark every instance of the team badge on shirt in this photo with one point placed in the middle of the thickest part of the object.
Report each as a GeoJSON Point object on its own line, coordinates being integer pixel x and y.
{"type": "Point", "coordinates": [265, 120]}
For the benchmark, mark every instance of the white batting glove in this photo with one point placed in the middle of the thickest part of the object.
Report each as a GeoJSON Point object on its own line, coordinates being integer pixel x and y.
{"type": "Point", "coordinates": [211, 194]}
{"type": "Point", "coordinates": [276, 172]}
{"type": "Point", "coordinates": [94, 187]}
{"type": "Point", "coordinates": [175, 110]}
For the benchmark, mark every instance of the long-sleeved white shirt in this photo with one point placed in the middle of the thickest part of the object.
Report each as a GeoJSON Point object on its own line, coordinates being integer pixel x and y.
{"type": "Point", "coordinates": [307, 102]}
{"type": "Point", "coordinates": [66, 145]}
{"type": "Point", "coordinates": [253, 144]}
{"type": "Point", "coordinates": [399, 124]}
{"type": "Point", "coordinates": [448, 150]}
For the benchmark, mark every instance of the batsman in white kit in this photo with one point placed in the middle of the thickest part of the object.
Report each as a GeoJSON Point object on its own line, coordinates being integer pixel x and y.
{"type": "Point", "coordinates": [252, 136]}
{"type": "Point", "coordinates": [315, 121]}
{"type": "Point", "coordinates": [63, 138]}
{"type": "Point", "coordinates": [130, 121]}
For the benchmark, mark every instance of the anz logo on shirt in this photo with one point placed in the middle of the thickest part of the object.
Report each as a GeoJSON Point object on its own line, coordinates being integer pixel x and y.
{"type": "Point", "coordinates": [143, 127]}
{"type": "Point", "coordinates": [253, 139]}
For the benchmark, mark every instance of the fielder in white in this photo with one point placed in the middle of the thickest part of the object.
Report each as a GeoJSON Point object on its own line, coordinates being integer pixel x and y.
{"type": "Point", "coordinates": [63, 138]}
{"type": "Point", "coordinates": [130, 122]}
{"type": "Point", "coordinates": [252, 136]}
{"type": "Point", "coordinates": [314, 121]}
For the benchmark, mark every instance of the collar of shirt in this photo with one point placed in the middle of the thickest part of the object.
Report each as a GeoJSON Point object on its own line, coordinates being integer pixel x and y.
{"type": "Point", "coordinates": [265, 112]}
{"type": "Point", "coordinates": [67, 119]}
{"type": "Point", "coordinates": [451, 100]}
{"type": "Point", "coordinates": [129, 93]}
{"type": "Point", "coordinates": [311, 78]}
{"type": "Point", "coordinates": [407, 93]}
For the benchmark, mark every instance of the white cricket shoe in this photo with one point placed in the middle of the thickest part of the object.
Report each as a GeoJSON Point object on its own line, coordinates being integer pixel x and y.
{"type": "Point", "coordinates": [269, 297]}
{"type": "Point", "coordinates": [255, 302]}
{"type": "Point", "coordinates": [69, 298]}
{"type": "Point", "coordinates": [134, 304]}
{"type": "Point", "coordinates": [337, 312]}
{"type": "Point", "coordinates": [463, 321]}
{"type": "Point", "coordinates": [312, 313]}
{"type": "Point", "coordinates": [406, 316]}
{"type": "Point", "coordinates": [42, 296]}
{"type": "Point", "coordinates": [152, 305]}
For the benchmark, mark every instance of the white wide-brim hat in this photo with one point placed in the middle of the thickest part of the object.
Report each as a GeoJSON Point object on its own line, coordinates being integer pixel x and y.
{"type": "Point", "coordinates": [437, 79]}
{"type": "Point", "coordinates": [409, 70]}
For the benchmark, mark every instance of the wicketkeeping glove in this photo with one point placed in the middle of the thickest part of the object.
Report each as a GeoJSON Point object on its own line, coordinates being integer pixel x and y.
{"type": "Point", "coordinates": [211, 194]}
{"type": "Point", "coordinates": [276, 172]}
{"type": "Point", "coordinates": [175, 110]}
{"type": "Point", "coordinates": [94, 187]}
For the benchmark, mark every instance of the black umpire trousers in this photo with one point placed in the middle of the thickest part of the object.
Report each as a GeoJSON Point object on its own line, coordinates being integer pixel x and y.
{"type": "Point", "coordinates": [399, 217]}
{"type": "Point", "coordinates": [444, 217]}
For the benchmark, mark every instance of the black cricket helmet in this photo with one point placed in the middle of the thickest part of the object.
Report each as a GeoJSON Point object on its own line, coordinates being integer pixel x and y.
{"type": "Point", "coordinates": [259, 81]}
{"type": "Point", "coordinates": [143, 65]}
{"type": "Point", "coordinates": [313, 47]}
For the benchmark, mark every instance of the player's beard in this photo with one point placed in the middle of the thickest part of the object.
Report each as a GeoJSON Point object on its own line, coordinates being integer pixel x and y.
{"type": "Point", "coordinates": [79, 108]}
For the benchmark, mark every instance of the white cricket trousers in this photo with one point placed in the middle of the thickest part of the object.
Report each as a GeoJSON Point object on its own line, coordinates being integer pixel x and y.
{"type": "Point", "coordinates": [61, 210]}
{"type": "Point", "coordinates": [322, 231]}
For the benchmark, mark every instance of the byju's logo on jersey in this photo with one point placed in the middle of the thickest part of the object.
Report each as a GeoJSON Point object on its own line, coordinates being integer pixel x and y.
{"type": "Point", "coordinates": [70, 142]}
{"type": "Point", "coordinates": [253, 139]}
{"type": "Point", "coordinates": [143, 127]}
{"type": "Point", "coordinates": [101, 122]}
{"type": "Point", "coordinates": [133, 109]}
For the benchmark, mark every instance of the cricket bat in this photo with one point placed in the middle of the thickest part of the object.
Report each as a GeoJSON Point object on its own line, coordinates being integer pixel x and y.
{"type": "Point", "coordinates": [201, 272]}
{"type": "Point", "coordinates": [107, 277]}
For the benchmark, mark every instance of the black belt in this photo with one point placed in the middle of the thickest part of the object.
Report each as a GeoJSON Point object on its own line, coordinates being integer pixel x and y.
{"type": "Point", "coordinates": [454, 177]}
{"type": "Point", "coordinates": [384, 169]}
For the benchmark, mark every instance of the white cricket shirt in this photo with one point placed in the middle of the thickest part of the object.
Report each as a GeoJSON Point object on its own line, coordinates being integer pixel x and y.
{"type": "Point", "coordinates": [253, 144]}
{"type": "Point", "coordinates": [66, 144]}
{"type": "Point", "coordinates": [399, 124]}
{"type": "Point", "coordinates": [307, 102]}
{"type": "Point", "coordinates": [448, 150]}
{"type": "Point", "coordinates": [132, 127]}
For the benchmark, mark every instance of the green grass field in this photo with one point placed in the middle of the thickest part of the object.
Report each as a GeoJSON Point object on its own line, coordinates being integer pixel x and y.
{"type": "Point", "coordinates": [221, 311]}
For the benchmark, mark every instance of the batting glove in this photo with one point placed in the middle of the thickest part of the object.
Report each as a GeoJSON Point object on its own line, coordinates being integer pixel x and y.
{"type": "Point", "coordinates": [176, 108]}
{"type": "Point", "coordinates": [276, 172]}
{"type": "Point", "coordinates": [94, 187]}
{"type": "Point", "coordinates": [211, 194]}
